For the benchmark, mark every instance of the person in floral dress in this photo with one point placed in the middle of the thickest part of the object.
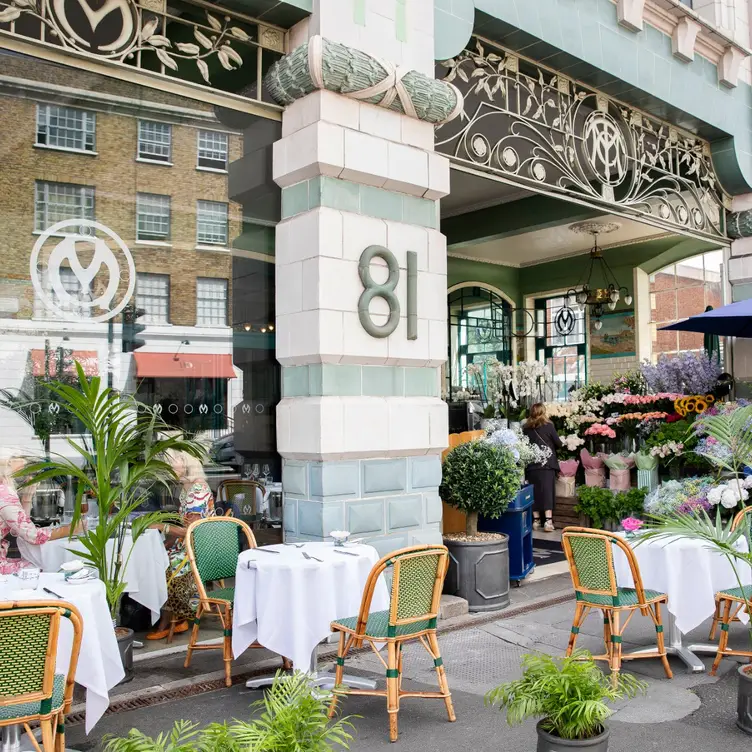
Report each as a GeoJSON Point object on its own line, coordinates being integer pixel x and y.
{"type": "Point", "coordinates": [15, 520]}
{"type": "Point", "coordinates": [196, 502]}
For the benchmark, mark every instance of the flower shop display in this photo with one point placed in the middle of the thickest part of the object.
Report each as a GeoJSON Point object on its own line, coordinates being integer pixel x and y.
{"type": "Point", "coordinates": [523, 450]}
{"type": "Point", "coordinates": [685, 373]}
{"type": "Point", "coordinates": [632, 525]}
{"type": "Point", "coordinates": [565, 483]}
{"type": "Point", "coordinates": [647, 470]}
{"type": "Point", "coordinates": [595, 471]}
{"type": "Point", "coordinates": [680, 496]}
{"type": "Point", "coordinates": [606, 508]}
{"type": "Point", "coordinates": [620, 467]}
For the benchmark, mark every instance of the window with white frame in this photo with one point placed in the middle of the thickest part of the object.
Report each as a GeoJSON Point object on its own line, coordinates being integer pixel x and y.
{"type": "Point", "coordinates": [154, 141]}
{"type": "Point", "coordinates": [153, 295]}
{"type": "Point", "coordinates": [71, 304]}
{"type": "Point", "coordinates": [211, 222]}
{"type": "Point", "coordinates": [212, 150]}
{"type": "Point", "coordinates": [55, 202]}
{"type": "Point", "coordinates": [152, 217]}
{"type": "Point", "coordinates": [211, 302]}
{"type": "Point", "coordinates": [65, 127]}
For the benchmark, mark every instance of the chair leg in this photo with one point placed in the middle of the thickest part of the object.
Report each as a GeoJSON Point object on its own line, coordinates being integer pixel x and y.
{"type": "Point", "coordinates": [227, 644]}
{"type": "Point", "coordinates": [286, 664]}
{"type": "Point", "coordinates": [32, 738]}
{"type": "Point", "coordinates": [48, 738]}
{"type": "Point", "coordinates": [661, 640]}
{"type": "Point", "coordinates": [60, 735]}
{"type": "Point", "coordinates": [194, 635]}
{"type": "Point", "coordinates": [615, 646]}
{"type": "Point", "coordinates": [339, 672]}
{"type": "Point", "coordinates": [433, 641]}
{"type": "Point", "coordinates": [578, 618]}
{"type": "Point", "coordinates": [171, 633]}
{"type": "Point", "coordinates": [392, 690]}
{"type": "Point", "coordinates": [723, 640]}
{"type": "Point", "coordinates": [716, 619]}
{"type": "Point", "coordinates": [607, 633]}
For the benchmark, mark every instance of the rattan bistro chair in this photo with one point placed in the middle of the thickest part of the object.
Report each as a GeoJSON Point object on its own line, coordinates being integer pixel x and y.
{"type": "Point", "coordinates": [30, 690]}
{"type": "Point", "coordinates": [213, 548]}
{"type": "Point", "coordinates": [730, 603]}
{"type": "Point", "coordinates": [591, 564]}
{"type": "Point", "coordinates": [228, 490]}
{"type": "Point", "coordinates": [418, 578]}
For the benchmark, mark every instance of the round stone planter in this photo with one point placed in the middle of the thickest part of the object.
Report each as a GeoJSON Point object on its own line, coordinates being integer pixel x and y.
{"type": "Point", "coordinates": [124, 638]}
{"type": "Point", "coordinates": [479, 572]}
{"type": "Point", "coordinates": [550, 743]}
{"type": "Point", "coordinates": [744, 700]}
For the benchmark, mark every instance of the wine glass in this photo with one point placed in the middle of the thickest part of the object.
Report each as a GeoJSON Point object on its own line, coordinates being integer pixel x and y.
{"type": "Point", "coordinates": [255, 471]}
{"type": "Point", "coordinates": [265, 474]}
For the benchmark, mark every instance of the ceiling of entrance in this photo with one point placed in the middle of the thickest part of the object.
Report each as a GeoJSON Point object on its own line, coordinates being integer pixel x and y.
{"type": "Point", "coordinates": [471, 193]}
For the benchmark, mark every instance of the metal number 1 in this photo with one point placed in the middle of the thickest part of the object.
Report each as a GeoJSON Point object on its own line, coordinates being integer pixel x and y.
{"type": "Point", "coordinates": [386, 290]}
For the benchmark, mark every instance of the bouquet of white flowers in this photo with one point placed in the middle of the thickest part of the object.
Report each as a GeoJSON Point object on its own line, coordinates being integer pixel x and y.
{"type": "Point", "coordinates": [523, 450]}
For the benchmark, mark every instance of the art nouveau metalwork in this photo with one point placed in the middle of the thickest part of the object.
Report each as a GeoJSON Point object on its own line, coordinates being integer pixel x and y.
{"type": "Point", "coordinates": [534, 127]}
{"type": "Point", "coordinates": [182, 39]}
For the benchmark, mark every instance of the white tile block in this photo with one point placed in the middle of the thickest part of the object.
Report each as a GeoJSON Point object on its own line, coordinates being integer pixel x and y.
{"type": "Point", "coordinates": [289, 288]}
{"type": "Point", "coordinates": [437, 252]}
{"type": "Point", "coordinates": [331, 284]}
{"type": "Point", "coordinates": [417, 133]}
{"type": "Point", "coordinates": [366, 159]}
{"type": "Point", "coordinates": [359, 232]}
{"type": "Point", "coordinates": [332, 428]}
{"type": "Point", "coordinates": [407, 352]}
{"type": "Point", "coordinates": [439, 424]}
{"type": "Point", "coordinates": [432, 296]}
{"type": "Point", "coordinates": [330, 336]}
{"type": "Point", "coordinates": [321, 105]}
{"type": "Point", "coordinates": [438, 176]}
{"type": "Point", "coordinates": [308, 235]}
{"type": "Point", "coordinates": [740, 269]}
{"type": "Point", "coordinates": [309, 337]}
{"type": "Point", "coordinates": [409, 425]}
{"type": "Point", "coordinates": [299, 34]}
{"type": "Point", "coordinates": [402, 238]}
{"type": "Point", "coordinates": [283, 423]}
{"type": "Point", "coordinates": [407, 169]}
{"type": "Point", "coordinates": [437, 343]}
{"type": "Point", "coordinates": [360, 347]}
{"type": "Point", "coordinates": [421, 46]}
{"type": "Point", "coordinates": [317, 149]}
{"type": "Point", "coordinates": [378, 121]}
{"type": "Point", "coordinates": [366, 425]}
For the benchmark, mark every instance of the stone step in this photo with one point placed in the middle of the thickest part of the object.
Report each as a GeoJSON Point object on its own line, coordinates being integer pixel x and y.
{"type": "Point", "coordinates": [452, 606]}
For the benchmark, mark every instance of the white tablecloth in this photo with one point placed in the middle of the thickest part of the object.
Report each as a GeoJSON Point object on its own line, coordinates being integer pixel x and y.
{"type": "Point", "coordinates": [688, 571]}
{"type": "Point", "coordinates": [288, 602]}
{"type": "Point", "coordinates": [145, 574]}
{"type": "Point", "coordinates": [99, 666]}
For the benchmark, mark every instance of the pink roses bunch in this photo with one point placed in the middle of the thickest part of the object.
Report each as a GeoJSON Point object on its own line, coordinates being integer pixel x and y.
{"type": "Point", "coordinates": [601, 429]}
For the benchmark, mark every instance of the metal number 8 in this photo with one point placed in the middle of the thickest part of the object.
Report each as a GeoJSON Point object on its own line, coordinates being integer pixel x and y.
{"type": "Point", "coordinates": [373, 290]}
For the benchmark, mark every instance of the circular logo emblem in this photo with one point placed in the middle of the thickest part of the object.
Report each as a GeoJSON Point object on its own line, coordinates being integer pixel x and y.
{"type": "Point", "coordinates": [100, 292]}
{"type": "Point", "coordinates": [605, 148]}
{"type": "Point", "coordinates": [565, 321]}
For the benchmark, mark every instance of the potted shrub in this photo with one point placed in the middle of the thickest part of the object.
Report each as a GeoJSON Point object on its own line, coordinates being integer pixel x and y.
{"type": "Point", "coordinates": [570, 697]}
{"type": "Point", "coordinates": [293, 716]}
{"type": "Point", "coordinates": [479, 478]}
{"type": "Point", "coordinates": [122, 453]}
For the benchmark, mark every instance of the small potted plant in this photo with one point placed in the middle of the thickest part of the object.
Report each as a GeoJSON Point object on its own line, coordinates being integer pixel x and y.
{"type": "Point", "coordinates": [569, 695]}
{"type": "Point", "coordinates": [479, 478]}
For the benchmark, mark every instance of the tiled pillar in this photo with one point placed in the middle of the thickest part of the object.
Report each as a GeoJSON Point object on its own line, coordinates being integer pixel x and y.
{"type": "Point", "coordinates": [361, 424]}
{"type": "Point", "coordinates": [739, 272]}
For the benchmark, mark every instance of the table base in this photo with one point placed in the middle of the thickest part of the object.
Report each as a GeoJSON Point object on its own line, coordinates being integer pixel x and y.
{"type": "Point", "coordinates": [675, 646]}
{"type": "Point", "coordinates": [15, 739]}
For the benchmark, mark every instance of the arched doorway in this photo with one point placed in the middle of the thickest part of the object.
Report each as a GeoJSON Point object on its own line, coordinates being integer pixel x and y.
{"type": "Point", "coordinates": [479, 324]}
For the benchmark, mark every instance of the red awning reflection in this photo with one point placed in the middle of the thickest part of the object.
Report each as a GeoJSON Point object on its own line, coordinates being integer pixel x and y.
{"type": "Point", "coordinates": [88, 359]}
{"type": "Point", "coordinates": [183, 366]}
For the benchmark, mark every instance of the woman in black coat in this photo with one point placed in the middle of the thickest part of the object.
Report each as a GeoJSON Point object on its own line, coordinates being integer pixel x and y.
{"type": "Point", "coordinates": [540, 430]}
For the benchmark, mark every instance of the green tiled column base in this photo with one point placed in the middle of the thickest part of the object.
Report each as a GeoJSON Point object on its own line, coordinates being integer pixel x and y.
{"type": "Point", "coordinates": [345, 195]}
{"type": "Point", "coordinates": [328, 380]}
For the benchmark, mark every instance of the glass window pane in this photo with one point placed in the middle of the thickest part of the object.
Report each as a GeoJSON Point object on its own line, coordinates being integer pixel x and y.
{"type": "Point", "coordinates": [212, 150]}
{"type": "Point", "coordinates": [211, 302]}
{"type": "Point", "coordinates": [154, 141]}
{"type": "Point", "coordinates": [153, 295]}
{"type": "Point", "coordinates": [65, 127]}
{"type": "Point", "coordinates": [56, 202]}
{"type": "Point", "coordinates": [211, 222]}
{"type": "Point", "coordinates": [153, 217]}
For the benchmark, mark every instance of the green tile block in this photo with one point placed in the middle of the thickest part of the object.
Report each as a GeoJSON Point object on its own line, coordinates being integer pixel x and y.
{"type": "Point", "coordinates": [421, 382]}
{"type": "Point", "coordinates": [340, 380]}
{"type": "Point", "coordinates": [741, 292]}
{"type": "Point", "coordinates": [420, 211]}
{"type": "Point", "coordinates": [377, 202]}
{"type": "Point", "coordinates": [295, 381]}
{"type": "Point", "coordinates": [383, 381]}
{"type": "Point", "coordinates": [314, 192]}
{"type": "Point", "coordinates": [340, 194]}
{"type": "Point", "coordinates": [400, 20]}
{"type": "Point", "coordinates": [315, 380]}
{"type": "Point", "coordinates": [359, 12]}
{"type": "Point", "coordinates": [295, 199]}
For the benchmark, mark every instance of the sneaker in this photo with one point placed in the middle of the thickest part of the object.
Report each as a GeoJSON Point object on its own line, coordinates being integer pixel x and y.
{"type": "Point", "coordinates": [549, 526]}
{"type": "Point", "coordinates": [536, 524]}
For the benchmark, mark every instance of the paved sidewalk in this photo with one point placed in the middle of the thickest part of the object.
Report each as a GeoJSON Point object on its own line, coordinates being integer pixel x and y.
{"type": "Point", "coordinates": [692, 712]}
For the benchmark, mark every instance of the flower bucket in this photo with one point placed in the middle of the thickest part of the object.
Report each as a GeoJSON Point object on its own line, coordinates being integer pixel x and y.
{"type": "Point", "coordinates": [595, 476]}
{"type": "Point", "coordinates": [619, 480]}
{"type": "Point", "coordinates": [648, 479]}
{"type": "Point", "coordinates": [565, 486]}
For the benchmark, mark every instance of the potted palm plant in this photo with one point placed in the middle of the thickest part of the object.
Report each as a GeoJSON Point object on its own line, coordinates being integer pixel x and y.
{"type": "Point", "coordinates": [732, 438]}
{"type": "Point", "coordinates": [122, 452]}
{"type": "Point", "coordinates": [293, 716]}
{"type": "Point", "coordinates": [479, 477]}
{"type": "Point", "coordinates": [569, 695]}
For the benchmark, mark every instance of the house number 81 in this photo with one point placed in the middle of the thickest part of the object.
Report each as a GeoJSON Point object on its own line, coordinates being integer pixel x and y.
{"type": "Point", "coordinates": [386, 290]}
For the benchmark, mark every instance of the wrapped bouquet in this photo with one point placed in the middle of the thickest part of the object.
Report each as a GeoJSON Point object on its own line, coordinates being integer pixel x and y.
{"type": "Point", "coordinates": [595, 472]}
{"type": "Point", "coordinates": [565, 481]}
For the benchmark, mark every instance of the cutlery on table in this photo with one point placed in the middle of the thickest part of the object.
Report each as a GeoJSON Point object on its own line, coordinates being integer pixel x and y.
{"type": "Point", "coordinates": [345, 553]}
{"type": "Point", "coordinates": [266, 550]}
{"type": "Point", "coordinates": [309, 557]}
{"type": "Point", "coordinates": [52, 592]}
{"type": "Point", "coordinates": [297, 545]}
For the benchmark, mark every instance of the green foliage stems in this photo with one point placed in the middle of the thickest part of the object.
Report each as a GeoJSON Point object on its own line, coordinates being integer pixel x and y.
{"type": "Point", "coordinates": [480, 478]}
{"type": "Point", "coordinates": [569, 694]}
{"type": "Point", "coordinates": [601, 504]}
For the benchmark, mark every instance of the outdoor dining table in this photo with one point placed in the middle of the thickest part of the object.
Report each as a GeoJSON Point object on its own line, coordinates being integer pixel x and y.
{"type": "Point", "coordinates": [690, 572]}
{"type": "Point", "coordinates": [287, 599]}
{"type": "Point", "coordinates": [144, 575]}
{"type": "Point", "coordinates": [99, 667]}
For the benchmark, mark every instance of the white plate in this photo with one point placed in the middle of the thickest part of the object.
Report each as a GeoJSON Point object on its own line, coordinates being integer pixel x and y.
{"type": "Point", "coordinates": [81, 581]}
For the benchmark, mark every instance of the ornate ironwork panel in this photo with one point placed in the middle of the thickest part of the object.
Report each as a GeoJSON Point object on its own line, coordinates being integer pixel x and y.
{"type": "Point", "coordinates": [535, 127]}
{"type": "Point", "coordinates": [191, 41]}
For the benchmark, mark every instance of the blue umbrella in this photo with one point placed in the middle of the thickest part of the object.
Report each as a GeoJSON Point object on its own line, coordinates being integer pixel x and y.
{"type": "Point", "coordinates": [733, 320]}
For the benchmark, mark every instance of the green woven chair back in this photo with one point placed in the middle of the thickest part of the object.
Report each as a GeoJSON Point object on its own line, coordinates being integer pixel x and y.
{"type": "Point", "coordinates": [24, 642]}
{"type": "Point", "coordinates": [216, 547]}
{"type": "Point", "coordinates": [593, 562]}
{"type": "Point", "coordinates": [414, 582]}
{"type": "Point", "coordinates": [244, 488]}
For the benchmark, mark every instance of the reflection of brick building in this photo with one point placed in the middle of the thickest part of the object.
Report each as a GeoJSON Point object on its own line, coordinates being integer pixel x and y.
{"type": "Point", "coordinates": [684, 290]}
{"type": "Point", "coordinates": [149, 165]}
